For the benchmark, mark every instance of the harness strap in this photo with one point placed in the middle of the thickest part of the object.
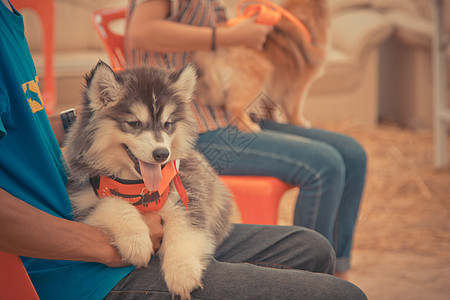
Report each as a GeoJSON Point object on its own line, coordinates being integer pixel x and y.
{"type": "Point", "coordinates": [135, 192]}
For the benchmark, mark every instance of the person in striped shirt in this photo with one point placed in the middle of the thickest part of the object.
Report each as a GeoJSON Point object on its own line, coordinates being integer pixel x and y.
{"type": "Point", "coordinates": [71, 260]}
{"type": "Point", "coordinates": [329, 167]}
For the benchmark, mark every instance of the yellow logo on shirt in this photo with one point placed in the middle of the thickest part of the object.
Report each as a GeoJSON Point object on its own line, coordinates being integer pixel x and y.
{"type": "Point", "coordinates": [33, 87]}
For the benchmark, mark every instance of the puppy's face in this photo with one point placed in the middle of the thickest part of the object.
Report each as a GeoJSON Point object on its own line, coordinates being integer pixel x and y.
{"type": "Point", "coordinates": [141, 119]}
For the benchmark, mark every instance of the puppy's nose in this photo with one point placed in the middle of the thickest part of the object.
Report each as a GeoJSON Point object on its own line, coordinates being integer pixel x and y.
{"type": "Point", "coordinates": [160, 154]}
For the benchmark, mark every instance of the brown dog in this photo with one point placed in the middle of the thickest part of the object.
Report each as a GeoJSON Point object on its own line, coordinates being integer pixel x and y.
{"type": "Point", "coordinates": [283, 70]}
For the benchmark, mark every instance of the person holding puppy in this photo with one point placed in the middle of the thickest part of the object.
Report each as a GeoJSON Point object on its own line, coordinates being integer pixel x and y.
{"type": "Point", "coordinates": [329, 167]}
{"type": "Point", "coordinates": [71, 260]}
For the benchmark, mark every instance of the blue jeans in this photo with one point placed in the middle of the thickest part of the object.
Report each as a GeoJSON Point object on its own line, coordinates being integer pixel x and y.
{"type": "Point", "coordinates": [254, 262]}
{"type": "Point", "coordinates": [329, 167]}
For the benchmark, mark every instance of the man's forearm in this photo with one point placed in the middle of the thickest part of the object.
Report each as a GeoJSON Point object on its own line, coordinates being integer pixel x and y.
{"type": "Point", "coordinates": [27, 231]}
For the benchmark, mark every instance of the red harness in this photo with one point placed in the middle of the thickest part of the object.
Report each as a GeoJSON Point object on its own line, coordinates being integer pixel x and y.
{"type": "Point", "coordinates": [135, 192]}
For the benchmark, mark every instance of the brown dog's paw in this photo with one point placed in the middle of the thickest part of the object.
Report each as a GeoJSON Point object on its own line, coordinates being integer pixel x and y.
{"type": "Point", "coordinates": [249, 127]}
{"type": "Point", "coordinates": [301, 121]}
{"type": "Point", "coordinates": [244, 123]}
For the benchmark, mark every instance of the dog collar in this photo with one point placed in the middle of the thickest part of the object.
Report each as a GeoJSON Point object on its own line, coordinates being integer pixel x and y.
{"type": "Point", "coordinates": [135, 192]}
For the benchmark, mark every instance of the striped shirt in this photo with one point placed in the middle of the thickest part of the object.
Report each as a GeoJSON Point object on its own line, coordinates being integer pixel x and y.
{"type": "Point", "coordinates": [192, 12]}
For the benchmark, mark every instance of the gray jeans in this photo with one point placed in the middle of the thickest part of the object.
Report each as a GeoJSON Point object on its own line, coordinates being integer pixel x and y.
{"type": "Point", "coordinates": [255, 262]}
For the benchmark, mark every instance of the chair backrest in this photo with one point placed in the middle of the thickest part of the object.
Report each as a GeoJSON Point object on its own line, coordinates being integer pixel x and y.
{"type": "Point", "coordinates": [113, 42]}
{"type": "Point", "coordinates": [14, 280]}
{"type": "Point", "coordinates": [46, 12]}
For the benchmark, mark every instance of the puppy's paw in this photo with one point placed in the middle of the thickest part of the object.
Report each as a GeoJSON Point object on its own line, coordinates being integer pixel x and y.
{"type": "Point", "coordinates": [253, 127]}
{"type": "Point", "coordinates": [183, 277]}
{"type": "Point", "coordinates": [136, 249]}
{"type": "Point", "coordinates": [123, 223]}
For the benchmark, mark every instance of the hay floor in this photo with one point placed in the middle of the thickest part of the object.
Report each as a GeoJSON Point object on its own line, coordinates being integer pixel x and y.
{"type": "Point", "coordinates": [402, 240]}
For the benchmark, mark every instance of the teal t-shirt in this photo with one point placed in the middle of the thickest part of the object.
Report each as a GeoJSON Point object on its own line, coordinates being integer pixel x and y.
{"type": "Point", "coordinates": [32, 167]}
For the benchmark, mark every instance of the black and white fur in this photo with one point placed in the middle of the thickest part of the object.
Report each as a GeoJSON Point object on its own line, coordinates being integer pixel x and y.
{"type": "Point", "coordinates": [147, 110]}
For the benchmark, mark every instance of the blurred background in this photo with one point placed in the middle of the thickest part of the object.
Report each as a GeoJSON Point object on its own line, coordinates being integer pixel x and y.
{"type": "Point", "coordinates": [378, 87]}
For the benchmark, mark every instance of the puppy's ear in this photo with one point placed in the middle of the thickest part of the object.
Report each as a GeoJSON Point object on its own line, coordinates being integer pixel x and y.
{"type": "Point", "coordinates": [103, 86]}
{"type": "Point", "coordinates": [184, 82]}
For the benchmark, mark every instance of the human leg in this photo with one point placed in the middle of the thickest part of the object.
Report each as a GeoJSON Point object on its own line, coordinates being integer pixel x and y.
{"type": "Point", "coordinates": [284, 249]}
{"type": "Point", "coordinates": [329, 167]}
{"type": "Point", "coordinates": [315, 166]}
{"type": "Point", "coordinates": [355, 162]}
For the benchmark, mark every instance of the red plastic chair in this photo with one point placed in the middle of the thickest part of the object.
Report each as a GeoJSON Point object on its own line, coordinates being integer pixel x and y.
{"type": "Point", "coordinates": [46, 13]}
{"type": "Point", "coordinates": [256, 197]}
{"type": "Point", "coordinates": [14, 280]}
{"type": "Point", "coordinates": [113, 42]}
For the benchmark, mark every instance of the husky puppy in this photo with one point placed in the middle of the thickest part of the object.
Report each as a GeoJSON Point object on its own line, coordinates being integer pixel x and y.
{"type": "Point", "coordinates": [132, 123]}
{"type": "Point", "coordinates": [284, 70]}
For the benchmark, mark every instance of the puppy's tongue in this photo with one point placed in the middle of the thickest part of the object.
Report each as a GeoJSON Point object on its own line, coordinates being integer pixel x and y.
{"type": "Point", "coordinates": [151, 174]}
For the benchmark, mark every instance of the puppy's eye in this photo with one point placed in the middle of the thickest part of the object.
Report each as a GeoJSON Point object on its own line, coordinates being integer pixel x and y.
{"type": "Point", "coordinates": [134, 124]}
{"type": "Point", "coordinates": [168, 125]}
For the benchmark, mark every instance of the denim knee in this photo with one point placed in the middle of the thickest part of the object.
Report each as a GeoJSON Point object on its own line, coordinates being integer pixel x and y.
{"type": "Point", "coordinates": [355, 156]}
{"type": "Point", "coordinates": [333, 166]}
{"type": "Point", "coordinates": [325, 168]}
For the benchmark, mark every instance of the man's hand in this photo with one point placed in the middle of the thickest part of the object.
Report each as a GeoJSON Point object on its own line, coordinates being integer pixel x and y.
{"type": "Point", "coordinates": [28, 231]}
{"type": "Point", "coordinates": [154, 223]}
